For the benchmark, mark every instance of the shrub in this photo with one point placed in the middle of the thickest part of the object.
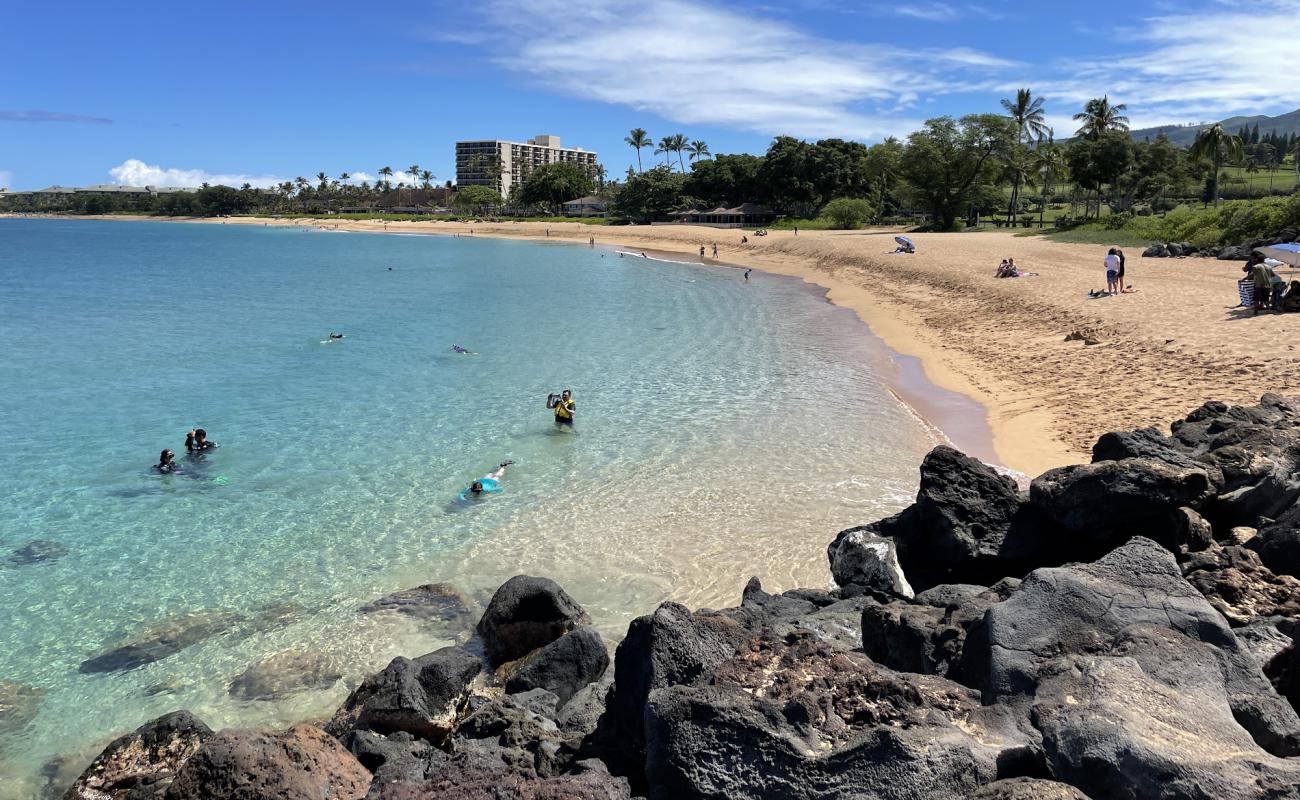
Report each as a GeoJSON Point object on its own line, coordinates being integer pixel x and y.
{"type": "Point", "coordinates": [848, 214]}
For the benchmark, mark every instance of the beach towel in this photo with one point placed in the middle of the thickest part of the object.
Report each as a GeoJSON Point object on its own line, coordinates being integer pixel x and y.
{"type": "Point", "coordinates": [1246, 291]}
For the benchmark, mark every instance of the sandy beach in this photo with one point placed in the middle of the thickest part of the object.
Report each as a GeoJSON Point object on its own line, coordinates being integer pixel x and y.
{"type": "Point", "coordinates": [1174, 343]}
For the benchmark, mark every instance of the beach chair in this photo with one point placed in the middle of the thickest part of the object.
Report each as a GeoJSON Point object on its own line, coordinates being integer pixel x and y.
{"type": "Point", "coordinates": [1246, 291]}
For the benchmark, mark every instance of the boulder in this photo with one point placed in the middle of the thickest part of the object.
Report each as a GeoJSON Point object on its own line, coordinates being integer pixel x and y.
{"type": "Point", "coordinates": [1113, 730]}
{"type": "Point", "coordinates": [1194, 532]}
{"type": "Point", "coordinates": [1100, 506]}
{"type": "Point", "coordinates": [581, 715]}
{"type": "Point", "coordinates": [1266, 642]}
{"type": "Point", "coordinates": [839, 624]}
{"type": "Point", "coordinates": [432, 602]}
{"type": "Point", "coordinates": [791, 717]}
{"type": "Point", "coordinates": [515, 734]}
{"type": "Point", "coordinates": [396, 758]}
{"type": "Point", "coordinates": [1027, 789]}
{"type": "Point", "coordinates": [37, 551]}
{"type": "Point", "coordinates": [1091, 608]}
{"type": "Point", "coordinates": [422, 697]}
{"type": "Point", "coordinates": [1175, 250]}
{"type": "Point", "coordinates": [774, 606]}
{"type": "Point", "coordinates": [1146, 443]}
{"type": "Point", "coordinates": [1234, 253]}
{"type": "Point", "coordinates": [302, 763]}
{"type": "Point", "coordinates": [525, 614]}
{"type": "Point", "coordinates": [141, 764]}
{"type": "Point", "coordinates": [1278, 543]}
{"type": "Point", "coordinates": [1156, 251]}
{"type": "Point", "coordinates": [928, 635]}
{"type": "Point", "coordinates": [564, 666]}
{"type": "Point", "coordinates": [161, 641]}
{"type": "Point", "coordinates": [18, 706]}
{"type": "Point", "coordinates": [861, 557]}
{"type": "Point", "coordinates": [282, 674]}
{"type": "Point", "coordinates": [474, 784]}
{"type": "Point", "coordinates": [1239, 586]}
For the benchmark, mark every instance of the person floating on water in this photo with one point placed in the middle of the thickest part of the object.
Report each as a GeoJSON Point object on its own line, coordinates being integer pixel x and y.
{"type": "Point", "coordinates": [563, 406]}
{"type": "Point", "coordinates": [335, 336]}
{"type": "Point", "coordinates": [455, 348]}
{"type": "Point", "coordinates": [196, 441]}
{"type": "Point", "coordinates": [488, 484]}
{"type": "Point", "coordinates": [167, 463]}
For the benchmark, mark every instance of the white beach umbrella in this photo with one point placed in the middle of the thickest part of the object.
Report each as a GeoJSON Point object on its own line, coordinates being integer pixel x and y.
{"type": "Point", "coordinates": [1286, 253]}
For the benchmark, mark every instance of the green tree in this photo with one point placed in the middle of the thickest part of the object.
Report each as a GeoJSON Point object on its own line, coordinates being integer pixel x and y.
{"type": "Point", "coordinates": [665, 147]}
{"type": "Point", "coordinates": [638, 139]}
{"type": "Point", "coordinates": [788, 177]}
{"type": "Point", "coordinates": [554, 184]}
{"type": "Point", "coordinates": [697, 149]}
{"type": "Point", "coordinates": [386, 173]}
{"type": "Point", "coordinates": [476, 199]}
{"type": "Point", "coordinates": [848, 214]}
{"type": "Point", "coordinates": [679, 144]}
{"type": "Point", "coordinates": [1097, 163]}
{"type": "Point", "coordinates": [649, 195]}
{"type": "Point", "coordinates": [726, 180]}
{"type": "Point", "coordinates": [947, 161]}
{"type": "Point", "coordinates": [1049, 164]}
{"type": "Point", "coordinates": [1099, 116]}
{"type": "Point", "coordinates": [1026, 111]}
{"type": "Point", "coordinates": [1217, 146]}
{"type": "Point", "coordinates": [884, 164]}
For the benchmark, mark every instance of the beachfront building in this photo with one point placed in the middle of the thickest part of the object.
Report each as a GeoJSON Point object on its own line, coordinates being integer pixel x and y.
{"type": "Point", "coordinates": [589, 206]}
{"type": "Point", "coordinates": [746, 214]}
{"type": "Point", "coordinates": [503, 165]}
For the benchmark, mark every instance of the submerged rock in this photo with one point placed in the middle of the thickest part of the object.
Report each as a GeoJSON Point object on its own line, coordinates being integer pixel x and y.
{"type": "Point", "coordinates": [18, 706]}
{"type": "Point", "coordinates": [142, 764]}
{"type": "Point", "coordinates": [37, 551]}
{"type": "Point", "coordinates": [302, 763]}
{"type": "Point", "coordinates": [160, 642]}
{"type": "Point", "coordinates": [283, 674]}
{"type": "Point", "coordinates": [526, 613]}
{"type": "Point", "coordinates": [432, 602]}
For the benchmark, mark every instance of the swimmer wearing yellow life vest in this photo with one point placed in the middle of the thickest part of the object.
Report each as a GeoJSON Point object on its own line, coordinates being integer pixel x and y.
{"type": "Point", "coordinates": [563, 406]}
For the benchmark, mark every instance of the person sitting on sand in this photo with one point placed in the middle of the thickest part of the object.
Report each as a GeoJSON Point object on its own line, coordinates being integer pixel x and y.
{"type": "Point", "coordinates": [488, 484]}
{"type": "Point", "coordinates": [196, 441]}
{"type": "Point", "coordinates": [167, 463]}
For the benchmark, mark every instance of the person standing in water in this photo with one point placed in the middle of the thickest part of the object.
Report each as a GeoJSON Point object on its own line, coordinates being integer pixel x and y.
{"type": "Point", "coordinates": [715, 249]}
{"type": "Point", "coordinates": [167, 463]}
{"type": "Point", "coordinates": [563, 406]}
{"type": "Point", "coordinates": [196, 441]}
{"type": "Point", "coordinates": [747, 273]}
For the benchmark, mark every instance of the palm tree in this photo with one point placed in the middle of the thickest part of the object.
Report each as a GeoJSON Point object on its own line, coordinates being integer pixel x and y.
{"type": "Point", "coordinates": [323, 182]}
{"type": "Point", "coordinates": [426, 179]}
{"type": "Point", "coordinates": [1099, 116]}
{"type": "Point", "coordinates": [1020, 169]}
{"type": "Point", "coordinates": [665, 146]}
{"type": "Point", "coordinates": [679, 144]}
{"type": "Point", "coordinates": [386, 173]}
{"type": "Point", "coordinates": [1027, 112]}
{"type": "Point", "coordinates": [697, 149]}
{"type": "Point", "coordinates": [1218, 146]}
{"type": "Point", "coordinates": [638, 139]}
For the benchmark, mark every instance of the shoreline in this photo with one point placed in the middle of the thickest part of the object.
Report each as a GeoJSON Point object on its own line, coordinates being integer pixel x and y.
{"type": "Point", "coordinates": [940, 399]}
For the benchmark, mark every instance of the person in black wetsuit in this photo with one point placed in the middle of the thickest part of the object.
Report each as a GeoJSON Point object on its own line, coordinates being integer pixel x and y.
{"type": "Point", "coordinates": [167, 463]}
{"type": "Point", "coordinates": [196, 441]}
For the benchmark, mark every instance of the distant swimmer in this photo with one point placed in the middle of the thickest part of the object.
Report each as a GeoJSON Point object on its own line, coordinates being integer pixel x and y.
{"type": "Point", "coordinates": [455, 348]}
{"type": "Point", "coordinates": [747, 273]}
{"type": "Point", "coordinates": [196, 441]}
{"type": "Point", "coordinates": [167, 463]}
{"type": "Point", "coordinates": [563, 406]}
{"type": "Point", "coordinates": [390, 269]}
{"type": "Point", "coordinates": [488, 484]}
{"type": "Point", "coordinates": [336, 336]}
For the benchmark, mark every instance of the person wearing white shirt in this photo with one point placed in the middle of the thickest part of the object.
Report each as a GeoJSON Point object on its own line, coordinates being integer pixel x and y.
{"type": "Point", "coordinates": [1112, 272]}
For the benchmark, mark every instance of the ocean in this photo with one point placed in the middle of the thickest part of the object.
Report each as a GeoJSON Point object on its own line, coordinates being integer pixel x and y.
{"type": "Point", "coordinates": [725, 428]}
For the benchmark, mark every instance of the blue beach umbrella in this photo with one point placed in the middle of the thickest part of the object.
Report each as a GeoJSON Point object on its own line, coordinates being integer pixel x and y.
{"type": "Point", "coordinates": [1286, 253]}
{"type": "Point", "coordinates": [905, 242]}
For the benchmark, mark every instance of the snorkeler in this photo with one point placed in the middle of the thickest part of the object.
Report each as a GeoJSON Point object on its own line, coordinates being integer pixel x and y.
{"type": "Point", "coordinates": [455, 348]}
{"type": "Point", "coordinates": [334, 335]}
{"type": "Point", "coordinates": [488, 484]}
{"type": "Point", "coordinates": [196, 441]}
{"type": "Point", "coordinates": [167, 463]}
{"type": "Point", "coordinates": [563, 406]}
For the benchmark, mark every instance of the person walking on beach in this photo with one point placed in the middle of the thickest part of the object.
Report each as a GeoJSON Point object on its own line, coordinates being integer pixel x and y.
{"type": "Point", "coordinates": [563, 406]}
{"type": "Point", "coordinates": [1120, 253]}
{"type": "Point", "coordinates": [1112, 271]}
{"type": "Point", "coordinates": [715, 249]}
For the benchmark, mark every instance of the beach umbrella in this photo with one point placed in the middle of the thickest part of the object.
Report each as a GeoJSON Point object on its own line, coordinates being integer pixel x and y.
{"type": "Point", "coordinates": [904, 241]}
{"type": "Point", "coordinates": [1286, 253]}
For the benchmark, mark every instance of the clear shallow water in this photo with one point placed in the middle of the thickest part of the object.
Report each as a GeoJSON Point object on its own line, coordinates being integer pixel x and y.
{"type": "Point", "coordinates": [725, 429]}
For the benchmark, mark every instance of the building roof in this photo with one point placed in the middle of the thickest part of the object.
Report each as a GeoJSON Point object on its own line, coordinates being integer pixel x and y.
{"type": "Point", "coordinates": [744, 209]}
{"type": "Point", "coordinates": [589, 200]}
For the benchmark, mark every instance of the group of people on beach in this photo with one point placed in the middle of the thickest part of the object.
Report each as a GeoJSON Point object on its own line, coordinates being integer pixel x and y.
{"type": "Point", "coordinates": [1269, 290]}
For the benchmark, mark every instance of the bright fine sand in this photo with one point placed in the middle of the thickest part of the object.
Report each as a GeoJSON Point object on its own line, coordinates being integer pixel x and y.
{"type": "Point", "coordinates": [1164, 349]}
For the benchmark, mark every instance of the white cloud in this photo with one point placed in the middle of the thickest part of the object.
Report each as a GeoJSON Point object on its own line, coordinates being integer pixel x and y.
{"type": "Point", "coordinates": [360, 177]}
{"type": "Point", "coordinates": [700, 65]}
{"type": "Point", "coordinates": [931, 12]}
{"type": "Point", "coordinates": [134, 172]}
{"type": "Point", "coordinates": [1195, 65]}
{"type": "Point", "coordinates": [5, 177]}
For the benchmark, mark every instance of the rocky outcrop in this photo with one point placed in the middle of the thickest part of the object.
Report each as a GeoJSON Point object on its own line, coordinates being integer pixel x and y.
{"type": "Point", "coordinates": [564, 666]}
{"type": "Point", "coordinates": [282, 674]}
{"type": "Point", "coordinates": [302, 763]}
{"type": "Point", "coordinates": [161, 641]}
{"type": "Point", "coordinates": [1027, 789]}
{"type": "Point", "coordinates": [1278, 544]}
{"type": "Point", "coordinates": [422, 696]}
{"type": "Point", "coordinates": [1239, 586]}
{"type": "Point", "coordinates": [527, 613]}
{"type": "Point", "coordinates": [142, 764]}
{"type": "Point", "coordinates": [470, 784]}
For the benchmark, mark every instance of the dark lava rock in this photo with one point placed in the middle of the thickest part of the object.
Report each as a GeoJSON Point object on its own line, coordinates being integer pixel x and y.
{"type": "Point", "coordinates": [564, 666]}
{"type": "Point", "coordinates": [432, 602]}
{"type": "Point", "coordinates": [1092, 608]}
{"type": "Point", "coordinates": [1115, 730]}
{"type": "Point", "coordinates": [472, 784]}
{"type": "Point", "coordinates": [525, 614]}
{"type": "Point", "coordinates": [1147, 443]}
{"type": "Point", "coordinates": [863, 558]}
{"type": "Point", "coordinates": [1234, 253]}
{"type": "Point", "coordinates": [1239, 586]}
{"type": "Point", "coordinates": [791, 717]}
{"type": "Point", "coordinates": [1100, 506]}
{"type": "Point", "coordinates": [422, 697]}
{"type": "Point", "coordinates": [302, 763]}
{"type": "Point", "coordinates": [283, 674]}
{"type": "Point", "coordinates": [398, 757]}
{"type": "Point", "coordinates": [1156, 251]}
{"type": "Point", "coordinates": [926, 636]}
{"type": "Point", "coordinates": [142, 764]}
{"type": "Point", "coordinates": [516, 732]}
{"type": "Point", "coordinates": [1027, 789]}
{"type": "Point", "coordinates": [774, 606]}
{"type": "Point", "coordinates": [18, 706]}
{"type": "Point", "coordinates": [37, 551]}
{"type": "Point", "coordinates": [162, 641]}
{"type": "Point", "coordinates": [1278, 543]}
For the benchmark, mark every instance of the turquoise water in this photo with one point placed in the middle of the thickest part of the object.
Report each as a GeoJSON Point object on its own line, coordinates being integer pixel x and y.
{"type": "Point", "coordinates": [725, 429]}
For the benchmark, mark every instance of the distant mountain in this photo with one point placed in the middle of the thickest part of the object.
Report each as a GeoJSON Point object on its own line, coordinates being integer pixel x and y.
{"type": "Point", "coordinates": [1186, 134]}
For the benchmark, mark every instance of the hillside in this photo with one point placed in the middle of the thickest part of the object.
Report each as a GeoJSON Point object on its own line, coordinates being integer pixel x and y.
{"type": "Point", "coordinates": [1186, 134]}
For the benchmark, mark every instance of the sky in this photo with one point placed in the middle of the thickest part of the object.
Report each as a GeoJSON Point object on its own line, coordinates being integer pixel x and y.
{"type": "Point", "coordinates": [231, 92]}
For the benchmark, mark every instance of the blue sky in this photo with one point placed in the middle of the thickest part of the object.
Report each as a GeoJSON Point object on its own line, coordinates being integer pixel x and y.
{"type": "Point", "coordinates": [177, 93]}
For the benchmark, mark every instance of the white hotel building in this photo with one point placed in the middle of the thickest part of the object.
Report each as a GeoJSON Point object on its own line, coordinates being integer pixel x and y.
{"type": "Point", "coordinates": [504, 165]}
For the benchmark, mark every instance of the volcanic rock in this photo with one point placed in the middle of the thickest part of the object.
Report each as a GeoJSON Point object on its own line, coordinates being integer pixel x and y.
{"type": "Point", "coordinates": [564, 666]}
{"type": "Point", "coordinates": [422, 697]}
{"type": "Point", "coordinates": [283, 674]}
{"type": "Point", "coordinates": [525, 614]}
{"type": "Point", "coordinates": [142, 764]}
